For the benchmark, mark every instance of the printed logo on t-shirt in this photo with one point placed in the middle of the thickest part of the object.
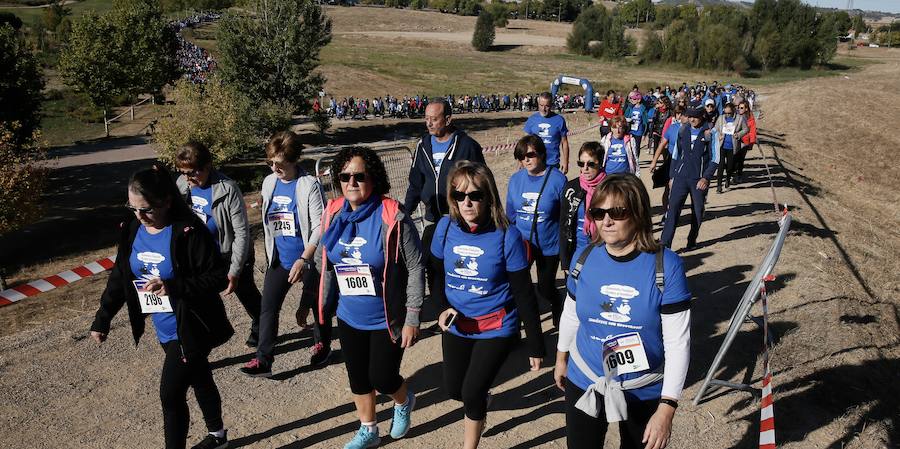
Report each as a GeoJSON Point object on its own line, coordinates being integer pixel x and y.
{"type": "Point", "coordinates": [282, 202]}
{"type": "Point", "coordinates": [197, 205]}
{"type": "Point", "coordinates": [351, 254]}
{"type": "Point", "coordinates": [478, 290]}
{"type": "Point", "coordinates": [616, 307]}
{"type": "Point", "coordinates": [437, 159]}
{"type": "Point", "coordinates": [545, 130]}
{"type": "Point", "coordinates": [457, 287]}
{"type": "Point", "coordinates": [467, 263]}
{"type": "Point", "coordinates": [530, 201]}
{"type": "Point", "coordinates": [150, 268]}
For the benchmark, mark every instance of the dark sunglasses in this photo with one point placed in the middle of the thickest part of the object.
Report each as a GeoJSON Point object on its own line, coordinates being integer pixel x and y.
{"type": "Point", "coordinates": [476, 196]}
{"type": "Point", "coordinates": [590, 164]}
{"type": "Point", "coordinates": [189, 173]}
{"type": "Point", "coordinates": [529, 155]}
{"type": "Point", "coordinates": [345, 177]}
{"type": "Point", "coordinates": [710, 105]}
{"type": "Point", "coordinates": [615, 213]}
{"type": "Point", "coordinates": [143, 210]}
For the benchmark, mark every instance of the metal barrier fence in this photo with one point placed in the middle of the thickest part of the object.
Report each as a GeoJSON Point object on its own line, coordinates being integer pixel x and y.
{"type": "Point", "coordinates": [742, 312]}
{"type": "Point", "coordinates": [397, 162]}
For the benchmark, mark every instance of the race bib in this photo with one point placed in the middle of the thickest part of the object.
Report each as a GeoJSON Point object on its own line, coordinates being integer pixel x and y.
{"type": "Point", "coordinates": [150, 302]}
{"type": "Point", "coordinates": [283, 224]}
{"type": "Point", "coordinates": [728, 129]}
{"type": "Point", "coordinates": [355, 280]}
{"type": "Point", "coordinates": [624, 354]}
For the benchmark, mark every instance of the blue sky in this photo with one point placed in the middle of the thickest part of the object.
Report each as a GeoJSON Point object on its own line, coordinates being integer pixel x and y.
{"type": "Point", "coordinates": [869, 5]}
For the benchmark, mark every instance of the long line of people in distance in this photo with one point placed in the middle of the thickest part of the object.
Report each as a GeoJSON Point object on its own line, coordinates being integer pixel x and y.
{"type": "Point", "coordinates": [622, 328]}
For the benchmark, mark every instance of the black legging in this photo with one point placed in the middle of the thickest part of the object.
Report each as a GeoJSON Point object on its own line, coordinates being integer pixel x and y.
{"type": "Point", "coordinates": [726, 166]}
{"type": "Point", "coordinates": [739, 159]}
{"type": "Point", "coordinates": [546, 282]}
{"type": "Point", "coordinates": [249, 297]}
{"type": "Point", "coordinates": [177, 376]}
{"type": "Point", "coordinates": [586, 432]}
{"type": "Point", "coordinates": [275, 289]}
{"type": "Point", "coordinates": [470, 367]}
{"type": "Point", "coordinates": [372, 359]}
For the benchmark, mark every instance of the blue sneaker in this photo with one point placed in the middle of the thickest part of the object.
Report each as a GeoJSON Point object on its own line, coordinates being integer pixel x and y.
{"type": "Point", "coordinates": [403, 416]}
{"type": "Point", "coordinates": [364, 439]}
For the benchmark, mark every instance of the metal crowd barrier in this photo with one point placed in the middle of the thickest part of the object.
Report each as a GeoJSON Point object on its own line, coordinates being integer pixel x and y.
{"type": "Point", "coordinates": [397, 162]}
{"type": "Point", "coordinates": [742, 312]}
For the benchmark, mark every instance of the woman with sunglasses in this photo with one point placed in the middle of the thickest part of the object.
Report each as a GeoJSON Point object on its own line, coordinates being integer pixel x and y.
{"type": "Point", "coordinates": [218, 202]}
{"type": "Point", "coordinates": [374, 275]}
{"type": "Point", "coordinates": [576, 195]}
{"type": "Point", "coordinates": [624, 337]}
{"type": "Point", "coordinates": [485, 290]}
{"type": "Point", "coordinates": [731, 128]}
{"type": "Point", "coordinates": [292, 205]}
{"type": "Point", "coordinates": [168, 266]}
{"type": "Point", "coordinates": [620, 149]}
{"type": "Point", "coordinates": [533, 204]}
{"type": "Point", "coordinates": [747, 141]}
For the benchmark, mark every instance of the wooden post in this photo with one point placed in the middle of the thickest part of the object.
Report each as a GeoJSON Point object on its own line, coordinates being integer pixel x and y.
{"type": "Point", "coordinates": [105, 123]}
{"type": "Point", "coordinates": [132, 112]}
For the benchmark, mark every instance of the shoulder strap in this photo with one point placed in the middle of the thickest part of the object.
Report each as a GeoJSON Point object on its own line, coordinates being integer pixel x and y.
{"type": "Point", "coordinates": [582, 258]}
{"type": "Point", "coordinates": [660, 271]}
{"type": "Point", "coordinates": [537, 202]}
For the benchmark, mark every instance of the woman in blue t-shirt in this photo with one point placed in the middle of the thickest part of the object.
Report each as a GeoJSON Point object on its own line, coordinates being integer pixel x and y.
{"type": "Point", "coordinates": [620, 151]}
{"type": "Point", "coordinates": [484, 288]}
{"type": "Point", "coordinates": [575, 197]}
{"type": "Point", "coordinates": [168, 266]}
{"type": "Point", "coordinates": [374, 276]}
{"type": "Point", "coordinates": [627, 320]}
{"type": "Point", "coordinates": [533, 204]}
{"type": "Point", "coordinates": [217, 201]}
{"type": "Point", "coordinates": [292, 205]}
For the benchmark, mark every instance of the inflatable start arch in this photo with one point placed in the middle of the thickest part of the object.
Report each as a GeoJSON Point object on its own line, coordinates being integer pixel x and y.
{"type": "Point", "coordinates": [585, 84]}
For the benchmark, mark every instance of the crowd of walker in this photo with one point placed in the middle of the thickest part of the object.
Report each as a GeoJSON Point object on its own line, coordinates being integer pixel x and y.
{"type": "Point", "coordinates": [622, 328]}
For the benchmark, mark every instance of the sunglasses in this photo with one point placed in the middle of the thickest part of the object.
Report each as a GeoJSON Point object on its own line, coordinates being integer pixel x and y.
{"type": "Point", "coordinates": [358, 177]}
{"type": "Point", "coordinates": [528, 155]}
{"type": "Point", "coordinates": [476, 196]}
{"type": "Point", "coordinates": [615, 213]}
{"type": "Point", "coordinates": [280, 164]}
{"type": "Point", "coordinates": [189, 173]}
{"type": "Point", "coordinates": [143, 210]}
{"type": "Point", "coordinates": [590, 164]}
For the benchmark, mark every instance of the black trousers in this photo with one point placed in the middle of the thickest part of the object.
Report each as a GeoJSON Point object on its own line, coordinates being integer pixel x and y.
{"type": "Point", "coordinates": [681, 189]}
{"type": "Point", "coordinates": [275, 289]}
{"type": "Point", "coordinates": [726, 166]}
{"type": "Point", "coordinates": [470, 367]}
{"type": "Point", "coordinates": [546, 281]}
{"type": "Point", "coordinates": [739, 159]}
{"type": "Point", "coordinates": [178, 375]}
{"type": "Point", "coordinates": [249, 296]}
{"type": "Point", "coordinates": [372, 359]}
{"type": "Point", "coordinates": [586, 432]}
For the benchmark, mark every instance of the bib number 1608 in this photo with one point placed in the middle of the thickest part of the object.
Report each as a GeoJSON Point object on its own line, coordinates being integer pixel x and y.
{"type": "Point", "coordinates": [357, 282]}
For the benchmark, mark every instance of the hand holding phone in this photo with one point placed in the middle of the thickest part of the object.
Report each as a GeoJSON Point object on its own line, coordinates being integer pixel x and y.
{"type": "Point", "coordinates": [446, 319]}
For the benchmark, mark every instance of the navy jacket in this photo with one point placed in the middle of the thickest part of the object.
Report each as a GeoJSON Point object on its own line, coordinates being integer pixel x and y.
{"type": "Point", "coordinates": [696, 161]}
{"type": "Point", "coordinates": [429, 187]}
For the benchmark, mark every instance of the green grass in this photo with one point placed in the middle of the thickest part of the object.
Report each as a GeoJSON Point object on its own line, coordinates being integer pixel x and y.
{"type": "Point", "coordinates": [31, 15]}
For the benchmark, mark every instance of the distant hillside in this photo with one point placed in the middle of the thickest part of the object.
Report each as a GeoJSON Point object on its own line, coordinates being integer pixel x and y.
{"type": "Point", "coordinates": [705, 3]}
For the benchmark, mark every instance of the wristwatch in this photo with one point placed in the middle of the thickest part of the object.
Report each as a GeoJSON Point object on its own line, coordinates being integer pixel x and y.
{"type": "Point", "coordinates": [667, 401]}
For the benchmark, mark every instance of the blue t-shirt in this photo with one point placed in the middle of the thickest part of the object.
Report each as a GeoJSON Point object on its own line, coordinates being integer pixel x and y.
{"type": "Point", "coordinates": [521, 196]}
{"type": "Point", "coordinates": [201, 204]}
{"type": "Point", "coordinates": [476, 267]}
{"type": "Point", "coordinates": [438, 152]}
{"type": "Point", "coordinates": [728, 142]}
{"type": "Point", "coordinates": [551, 129]}
{"type": "Point", "coordinates": [636, 116]}
{"type": "Point", "coordinates": [616, 157]}
{"type": "Point", "coordinates": [620, 297]}
{"type": "Point", "coordinates": [282, 217]}
{"type": "Point", "coordinates": [151, 258]}
{"type": "Point", "coordinates": [581, 239]}
{"type": "Point", "coordinates": [362, 244]}
{"type": "Point", "coordinates": [672, 136]}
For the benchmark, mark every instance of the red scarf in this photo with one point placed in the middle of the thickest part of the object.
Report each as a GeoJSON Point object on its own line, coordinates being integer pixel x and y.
{"type": "Point", "coordinates": [588, 186]}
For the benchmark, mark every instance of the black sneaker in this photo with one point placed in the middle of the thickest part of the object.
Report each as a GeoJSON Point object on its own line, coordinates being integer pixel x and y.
{"type": "Point", "coordinates": [320, 354]}
{"type": "Point", "coordinates": [255, 368]}
{"type": "Point", "coordinates": [213, 442]}
{"type": "Point", "coordinates": [252, 341]}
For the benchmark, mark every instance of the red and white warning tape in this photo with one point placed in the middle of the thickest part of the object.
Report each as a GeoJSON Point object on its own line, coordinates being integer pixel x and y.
{"type": "Point", "coordinates": [67, 277]}
{"type": "Point", "coordinates": [767, 404]}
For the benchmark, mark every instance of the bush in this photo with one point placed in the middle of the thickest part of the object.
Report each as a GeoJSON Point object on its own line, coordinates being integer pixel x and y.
{"type": "Point", "coordinates": [21, 85]}
{"type": "Point", "coordinates": [652, 49]}
{"type": "Point", "coordinates": [483, 37]}
{"type": "Point", "coordinates": [598, 34]}
{"type": "Point", "coordinates": [501, 14]}
{"type": "Point", "coordinates": [23, 180]}
{"type": "Point", "coordinates": [322, 121]}
{"type": "Point", "coordinates": [222, 118]}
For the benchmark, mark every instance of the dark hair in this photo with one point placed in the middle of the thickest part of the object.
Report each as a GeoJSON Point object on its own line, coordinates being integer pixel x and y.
{"type": "Point", "coordinates": [194, 155]}
{"type": "Point", "coordinates": [530, 141]}
{"type": "Point", "coordinates": [546, 96]}
{"type": "Point", "coordinates": [593, 149]}
{"type": "Point", "coordinates": [155, 185]}
{"type": "Point", "coordinates": [448, 108]}
{"type": "Point", "coordinates": [376, 173]}
{"type": "Point", "coordinates": [610, 92]}
{"type": "Point", "coordinates": [285, 143]}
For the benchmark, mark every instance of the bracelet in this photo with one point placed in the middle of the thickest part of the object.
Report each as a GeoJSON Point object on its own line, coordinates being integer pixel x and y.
{"type": "Point", "coordinates": [670, 402]}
